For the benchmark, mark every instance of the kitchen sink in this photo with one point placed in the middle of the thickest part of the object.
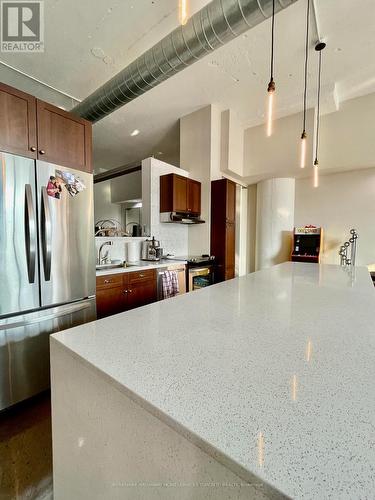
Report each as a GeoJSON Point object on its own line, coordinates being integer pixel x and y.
{"type": "Point", "coordinates": [117, 264]}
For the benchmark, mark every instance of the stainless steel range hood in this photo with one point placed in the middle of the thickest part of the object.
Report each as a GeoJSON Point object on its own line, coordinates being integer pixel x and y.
{"type": "Point", "coordinates": [180, 218]}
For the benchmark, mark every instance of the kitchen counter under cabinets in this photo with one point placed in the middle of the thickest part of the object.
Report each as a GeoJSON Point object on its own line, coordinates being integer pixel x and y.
{"type": "Point", "coordinates": [258, 387]}
{"type": "Point", "coordinates": [121, 289]}
{"type": "Point", "coordinates": [140, 266]}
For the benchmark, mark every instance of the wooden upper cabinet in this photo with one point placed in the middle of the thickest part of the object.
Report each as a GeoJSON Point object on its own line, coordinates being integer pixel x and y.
{"type": "Point", "coordinates": [17, 122]}
{"type": "Point", "coordinates": [30, 127]}
{"type": "Point", "coordinates": [63, 138]}
{"type": "Point", "coordinates": [194, 196]}
{"type": "Point", "coordinates": [180, 194]}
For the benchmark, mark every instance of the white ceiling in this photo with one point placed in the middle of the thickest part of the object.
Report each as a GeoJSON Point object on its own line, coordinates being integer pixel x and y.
{"type": "Point", "coordinates": [89, 41]}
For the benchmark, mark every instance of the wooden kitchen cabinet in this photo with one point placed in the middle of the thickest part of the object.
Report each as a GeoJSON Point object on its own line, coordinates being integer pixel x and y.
{"type": "Point", "coordinates": [121, 292]}
{"type": "Point", "coordinates": [180, 194]}
{"type": "Point", "coordinates": [223, 228]}
{"type": "Point", "coordinates": [110, 301]}
{"type": "Point", "coordinates": [63, 139]}
{"type": "Point", "coordinates": [18, 122]}
{"type": "Point", "coordinates": [194, 196]}
{"type": "Point", "coordinates": [33, 128]}
{"type": "Point", "coordinates": [141, 294]}
{"type": "Point", "coordinates": [110, 296]}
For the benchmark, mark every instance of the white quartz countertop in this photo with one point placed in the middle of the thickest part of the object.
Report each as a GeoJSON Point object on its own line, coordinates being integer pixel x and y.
{"type": "Point", "coordinates": [272, 373]}
{"type": "Point", "coordinates": [140, 266]}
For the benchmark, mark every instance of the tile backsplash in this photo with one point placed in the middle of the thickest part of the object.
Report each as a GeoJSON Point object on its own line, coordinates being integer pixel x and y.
{"type": "Point", "coordinates": [173, 237]}
{"type": "Point", "coordinates": [119, 248]}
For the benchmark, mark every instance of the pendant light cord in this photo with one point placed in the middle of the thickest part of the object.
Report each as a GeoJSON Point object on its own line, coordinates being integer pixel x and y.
{"type": "Point", "coordinates": [318, 117]}
{"type": "Point", "coordinates": [306, 64]}
{"type": "Point", "coordinates": [272, 37]}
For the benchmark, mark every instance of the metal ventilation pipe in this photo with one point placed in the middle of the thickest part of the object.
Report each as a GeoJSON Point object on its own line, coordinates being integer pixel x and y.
{"type": "Point", "coordinates": [216, 24]}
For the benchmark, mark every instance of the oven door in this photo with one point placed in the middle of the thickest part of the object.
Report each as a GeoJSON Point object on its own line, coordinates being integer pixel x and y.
{"type": "Point", "coordinates": [200, 277]}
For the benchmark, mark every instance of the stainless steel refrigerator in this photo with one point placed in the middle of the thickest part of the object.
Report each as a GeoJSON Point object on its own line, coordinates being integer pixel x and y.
{"type": "Point", "coordinates": [47, 267]}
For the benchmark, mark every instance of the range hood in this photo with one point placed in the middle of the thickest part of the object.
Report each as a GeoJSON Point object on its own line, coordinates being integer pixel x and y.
{"type": "Point", "coordinates": [180, 218]}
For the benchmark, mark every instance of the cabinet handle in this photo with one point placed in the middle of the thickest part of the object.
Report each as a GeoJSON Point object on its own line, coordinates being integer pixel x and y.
{"type": "Point", "coordinates": [42, 152]}
{"type": "Point", "coordinates": [130, 291]}
{"type": "Point", "coordinates": [33, 149]}
{"type": "Point", "coordinates": [141, 276]}
{"type": "Point", "coordinates": [108, 281]}
{"type": "Point", "coordinates": [124, 292]}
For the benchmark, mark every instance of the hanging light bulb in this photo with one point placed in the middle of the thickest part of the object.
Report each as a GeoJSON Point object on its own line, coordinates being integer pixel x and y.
{"type": "Point", "coordinates": [316, 173]}
{"type": "Point", "coordinates": [303, 149]}
{"type": "Point", "coordinates": [183, 12]}
{"type": "Point", "coordinates": [271, 86]}
{"type": "Point", "coordinates": [271, 91]}
{"type": "Point", "coordinates": [318, 47]}
{"type": "Point", "coordinates": [304, 135]}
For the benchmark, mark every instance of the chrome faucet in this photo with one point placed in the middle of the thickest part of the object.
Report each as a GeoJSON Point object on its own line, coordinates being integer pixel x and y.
{"type": "Point", "coordinates": [101, 259]}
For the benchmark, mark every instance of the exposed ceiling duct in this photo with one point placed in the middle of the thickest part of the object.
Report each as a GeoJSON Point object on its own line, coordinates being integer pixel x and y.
{"type": "Point", "coordinates": [216, 24]}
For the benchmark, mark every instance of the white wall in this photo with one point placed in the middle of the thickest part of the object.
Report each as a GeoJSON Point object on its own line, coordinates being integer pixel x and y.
{"type": "Point", "coordinates": [103, 207]}
{"type": "Point", "coordinates": [173, 237]}
{"type": "Point", "coordinates": [211, 147]}
{"type": "Point", "coordinates": [346, 142]}
{"type": "Point", "coordinates": [278, 155]}
{"type": "Point", "coordinates": [232, 143]}
{"type": "Point", "coordinates": [126, 187]}
{"type": "Point", "coordinates": [342, 201]}
{"type": "Point", "coordinates": [348, 136]}
{"type": "Point", "coordinates": [195, 157]}
{"type": "Point", "coordinates": [119, 248]}
{"type": "Point", "coordinates": [275, 221]}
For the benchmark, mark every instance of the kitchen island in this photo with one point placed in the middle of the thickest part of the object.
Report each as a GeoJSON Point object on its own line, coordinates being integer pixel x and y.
{"type": "Point", "coordinates": [259, 387]}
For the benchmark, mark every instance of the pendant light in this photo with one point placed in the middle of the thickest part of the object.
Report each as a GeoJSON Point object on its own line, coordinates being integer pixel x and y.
{"type": "Point", "coordinates": [271, 86]}
{"type": "Point", "coordinates": [304, 135]}
{"type": "Point", "coordinates": [183, 12]}
{"type": "Point", "coordinates": [319, 47]}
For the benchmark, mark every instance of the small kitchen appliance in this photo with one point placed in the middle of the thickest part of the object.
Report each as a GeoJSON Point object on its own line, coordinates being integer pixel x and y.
{"type": "Point", "coordinates": [150, 250]}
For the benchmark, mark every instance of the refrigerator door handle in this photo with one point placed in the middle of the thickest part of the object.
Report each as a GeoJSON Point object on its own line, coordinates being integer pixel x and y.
{"type": "Point", "coordinates": [46, 225]}
{"type": "Point", "coordinates": [41, 319]}
{"type": "Point", "coordinates": [30, 233]}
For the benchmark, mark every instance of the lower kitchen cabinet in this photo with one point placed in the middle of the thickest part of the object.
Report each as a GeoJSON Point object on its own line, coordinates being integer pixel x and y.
{"type": "Point", "coordinates": [116, 293]}
{"type": "Point", "coordinates": [140, 295]}
{"type": "Point", "coordinates": [109, 301]}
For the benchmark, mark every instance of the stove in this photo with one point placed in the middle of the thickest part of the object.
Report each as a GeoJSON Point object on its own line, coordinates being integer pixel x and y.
{"type": "Point", "coordinates": [195, 259]}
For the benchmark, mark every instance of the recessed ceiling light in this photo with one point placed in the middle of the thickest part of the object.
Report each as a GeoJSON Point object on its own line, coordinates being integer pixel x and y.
{"type": "Point", "coordinates": [135, 132]}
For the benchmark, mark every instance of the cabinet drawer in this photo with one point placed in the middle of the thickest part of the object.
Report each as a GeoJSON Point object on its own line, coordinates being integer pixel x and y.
{"type": "Point", "coordinates": [109, 281]}
{"type": "Point", "coordinates": [141, 276]}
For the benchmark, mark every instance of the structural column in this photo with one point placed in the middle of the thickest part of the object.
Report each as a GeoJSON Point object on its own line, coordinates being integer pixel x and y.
{"type": "Point", "coordinates": [275, 221]}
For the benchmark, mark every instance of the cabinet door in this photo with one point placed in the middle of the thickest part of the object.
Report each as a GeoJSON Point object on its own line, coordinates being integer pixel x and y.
{"type": "Point", "coordinates": [63, 138]}
{"type": "Point", "coordinates": [142, 294]}
{"type": "Point", "coordinates": [110, 301]}
{"type": "Point", "coordinates": [179, 193]}
{"type": "Point", "coordinates": [194, 196]}
{"type": "Point", "coordinates": [18, 122]}
{"type": "Point", "coordinates": [231, 202]}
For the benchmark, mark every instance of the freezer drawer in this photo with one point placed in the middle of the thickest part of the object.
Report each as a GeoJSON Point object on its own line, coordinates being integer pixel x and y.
{"type": "Point", "coordinates": [19, 282]}
{"type": "Point", "coordinates": [24, 348]}
{"type": "Point", "coordinates": [67, 247]}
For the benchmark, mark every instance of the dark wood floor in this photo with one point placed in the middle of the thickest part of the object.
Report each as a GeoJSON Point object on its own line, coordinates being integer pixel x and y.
{"type": "Point", "coordinates": [26, 450]}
